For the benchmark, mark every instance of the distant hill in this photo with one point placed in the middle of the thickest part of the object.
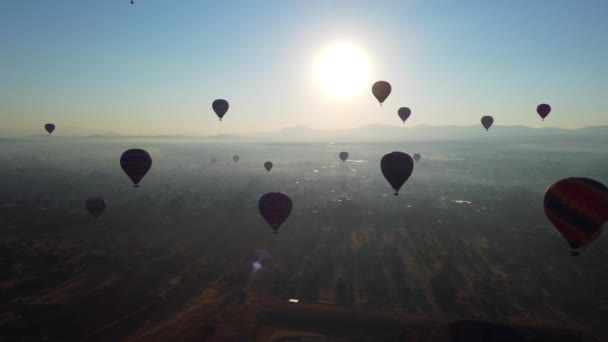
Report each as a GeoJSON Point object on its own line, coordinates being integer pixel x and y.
{"type": "Point", "coordinates": [389, 133]}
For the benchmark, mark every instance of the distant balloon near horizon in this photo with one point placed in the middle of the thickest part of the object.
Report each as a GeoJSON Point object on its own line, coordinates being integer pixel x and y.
{"type": "Point", "coordinates": [543, 110]}
{"type": "Point", "coordinates": [343, 156]}
{"type": "Point", "coordinates": [578, 208]}
{"type": "Point", "coordinates": [135, 163]}
{"type": "Point", "coordinates": [220, 107]}
{"type": "Point", "coordinates": [275, 208]}
{"type": "Point", "coordinates": [404, 113]}
{"type": "Point", "coordinates": [381, 91]}
{"type": "Point", "coordinates": [487, 122]}
{"type": "Point", "coordinates": [268, 166]}
{"type": "Point", "coordinates": [49, 127]}
{"type": "Point", "coordinates": [95, 206]}
{"type": "Point", "coordinates": [397, 167]}
{"type": "Point", "coordinates": [417, 157]}
{"type": "Point", "coordinates": [213, 160]}
{"type": "Point", "coordinates": [236, 158]}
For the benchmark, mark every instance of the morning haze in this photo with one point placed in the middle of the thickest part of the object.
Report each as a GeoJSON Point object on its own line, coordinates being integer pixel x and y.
{"type": "Point", "coordinates": [99, 96]}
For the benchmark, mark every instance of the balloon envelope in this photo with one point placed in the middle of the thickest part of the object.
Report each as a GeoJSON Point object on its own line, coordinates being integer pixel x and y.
{"type": "Point", "coordinates": [220, 107]}
{"type": "Point", "coordinates": [275, 208]}
{"type": "Point", "coordinates": [487, 121]}
{"type": "Point", "coordinates": [397, 167]}
{"type": "Point", "coordinates": [236, 158]}
{"type": "Point", "coordinates": [578, 208]}
{"type": "Point", "coordinates": [543, 110]}
{"type": "Point", "coordinates": [404, 113]}
{"type": "Point", "coordinates": [381, 90]}
{"type": "Point", "coordinates": [49, 127]}
{"type": "Point", "coordinates": [417, 157]}
{"type": "Point", "coordinates": [268, 166]}
{"type": "Point", "coordinates": [95, 206]}
{"type": "Point", "coordinates": [343, 156]}
{"type": "Point", "coordinates": [135, 163]}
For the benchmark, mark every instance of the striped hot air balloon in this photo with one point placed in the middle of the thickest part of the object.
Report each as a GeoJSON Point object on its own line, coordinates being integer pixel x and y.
{"type": "Point", "coordinates": [578, 208]}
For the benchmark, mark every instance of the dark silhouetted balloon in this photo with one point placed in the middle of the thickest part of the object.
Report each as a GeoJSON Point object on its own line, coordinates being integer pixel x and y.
{"type": "Point", "coordinates": [220, 107]}
{"type": "Point", "coordinates": [236, 158]}
{"type": "Point", "coordinates": [95, 206]}
{"type": "Point", "coordinates": [49, 127]}
{"type": "Point", "coordinates": [404, 113]}
{"type": "Point", "coordinates": [343, 156]}
{"type": "Point", "coordinates": [578, 208]}
{"type": "Point", "coordinates": [275, 208]}
{"type": "Point", "coordinates": [135, 163]}
{"type": "Point", "coordinates": [381, 90]}
{"type": "Point", "coordinates": [213, 160]}
{"type": "Point", "coordinates": [268, 166]}
{"type": "Point", "coordinates": [417, 157]}
{"type": "Point", "coordinates": [397, 167]}
{"type": "Point", "coordinates": [543, 110]}
{"type": "Point", "coordinates": [487, 121]}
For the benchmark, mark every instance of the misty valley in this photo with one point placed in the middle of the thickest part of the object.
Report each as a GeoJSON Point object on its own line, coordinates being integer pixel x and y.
{"type": "Point", "coordinates": [174, 259]}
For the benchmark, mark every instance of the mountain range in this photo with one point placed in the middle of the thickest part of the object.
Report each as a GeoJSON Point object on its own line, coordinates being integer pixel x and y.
{"type": "Point", "coordinates": [389, 133]}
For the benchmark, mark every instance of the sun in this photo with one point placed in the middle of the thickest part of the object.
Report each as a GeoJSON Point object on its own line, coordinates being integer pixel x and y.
{"type": "Point", "coordinates": [341, 70]}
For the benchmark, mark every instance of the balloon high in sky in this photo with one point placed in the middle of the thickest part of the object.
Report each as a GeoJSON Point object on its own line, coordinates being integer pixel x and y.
{"type": "Point", "coordinates": [49, 127]}
{"type": "Point", "coordinates": [381, 91]}
{"type": "Point", "coordinates": [158, 66]}
{"type": "Point", "coordinates": [404, 113]}
{"type": "Point", "coordinates": [220, 107]}
{"type": "Point", "coordinates": [487, 121]}
{"type": "Point", "coordinates": [543, 110]}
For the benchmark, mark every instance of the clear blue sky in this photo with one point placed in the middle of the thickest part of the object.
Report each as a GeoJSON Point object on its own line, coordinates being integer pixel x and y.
{"type": "Point", "coordinates": [156, 66]}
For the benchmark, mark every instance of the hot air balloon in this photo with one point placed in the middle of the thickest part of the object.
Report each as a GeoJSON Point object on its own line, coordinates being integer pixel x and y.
{"type": "Point", "coordinates": [417, 157]}
{"type": "Point", "coordinates": [343, 156]}
{"type": "Point", "coordinates": [268, 166]}
{"type": "Point", "coordinates": [578, 208]}
{"type": "Point", "coordinates": [487, 121]}
{"type": "Point", "coordinates": [135, 163]}
{"type": "Point", "coordinates": [95, 206]}
{"type": "Point", "coordinates": [236, 158]}
{"type": "Point", "coordinates": [275, 208]}
{"type": "Point", "coordinates": [49, 127]}
{"type": "Point", "coordinates": [404, 113]}
{"type": "Point", "coordinates": [543, 110]}
{"type": "Point", "coordinates": [381, 90]}
{"type": "Point", "coordinates": [220, 107]}
{"type": "Point", "coordinates": [213, 160]}
{"type": "Point", "coordinates": [397, 167]}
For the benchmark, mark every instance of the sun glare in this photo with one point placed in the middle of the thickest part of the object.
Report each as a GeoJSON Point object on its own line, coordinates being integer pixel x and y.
{"type": "Point", "coordinates": [341, 70]}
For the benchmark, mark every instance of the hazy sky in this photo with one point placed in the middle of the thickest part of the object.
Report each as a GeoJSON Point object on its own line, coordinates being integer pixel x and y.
{"type": "Point", "coordinates": [156, 66]}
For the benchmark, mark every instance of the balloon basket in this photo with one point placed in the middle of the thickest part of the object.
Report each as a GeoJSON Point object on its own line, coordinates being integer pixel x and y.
{"type": "Point", "coordinates": [575, 253]}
